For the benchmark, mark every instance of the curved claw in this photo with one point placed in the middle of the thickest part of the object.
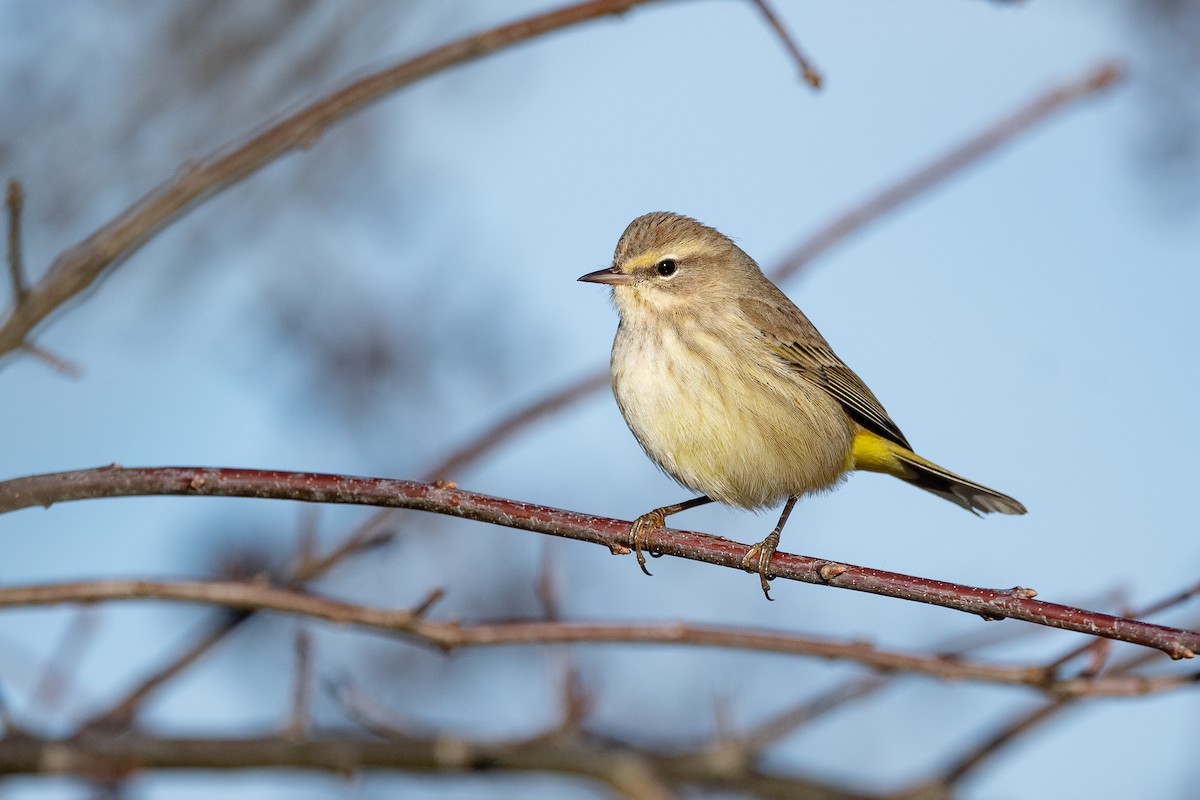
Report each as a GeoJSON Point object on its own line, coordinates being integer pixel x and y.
{"type": "Point", "coordinates": [762, 552]}
{"type": "Point", "coordinates": [643, 526]}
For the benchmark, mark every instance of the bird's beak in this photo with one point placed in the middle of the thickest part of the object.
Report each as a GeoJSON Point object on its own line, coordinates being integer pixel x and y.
{"type": "Point", "coordinates": [608, 276]}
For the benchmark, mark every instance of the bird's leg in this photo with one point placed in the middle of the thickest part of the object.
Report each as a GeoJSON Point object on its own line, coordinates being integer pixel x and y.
{"type": "Point", "coordinates": [766, 548]}
{"type": "Point", "coordinates": [655, 520]}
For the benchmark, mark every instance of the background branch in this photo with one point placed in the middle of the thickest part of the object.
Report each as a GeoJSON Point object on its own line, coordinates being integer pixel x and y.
{"type": "Point", "coordinates": [605, 761]}
{"type": "Point", "coordinates": [14, 201]}
{"type": "Point", "coordinates": [808, 72]}
{"type": "Point", "coordinates": [79, 267]}
{"type": "Point", "coordinates": [1097, 79]}
{"type": "Point", "coordinates": [447, 636]}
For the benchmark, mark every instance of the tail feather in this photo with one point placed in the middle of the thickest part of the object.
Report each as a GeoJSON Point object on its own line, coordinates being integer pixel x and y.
{"type": "Point", "coordinates": [955, 488]}
{"type": "Point", "coordinates": [874, 453]}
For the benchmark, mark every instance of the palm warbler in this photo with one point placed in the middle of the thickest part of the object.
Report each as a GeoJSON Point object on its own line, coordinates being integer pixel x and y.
{"type": "Point", "coordinates": [732, 391]}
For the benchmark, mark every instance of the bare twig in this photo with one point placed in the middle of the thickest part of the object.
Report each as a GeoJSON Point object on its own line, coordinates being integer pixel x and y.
{"type": "Point", "coordinates": [786, 722]}
{"type": "Point", "coordinates": [14, 199]}
{"type": "Point", "coordinates": [356, 706]}
{"type": "Point", "coordinates": [506, 428]}
{"type": "Point", "coordinates": [67, 655]}
{"type": "Point", "coordinates": [970, 762]}
{"type": "Point", "coordinates": [807, 71]}
{"type": "Point", "coordinates": [412, 624]}
{"type": "Point", "coordinates": [1007, 733]}
{"type": "Point", "coordinates": [121, 713]}
{"type": "Point", "coordinates": [301, 709]}
{"type": "Point", "coordinates": [1002, 132]}
{"type": "Point", "coordinates": [549, 591]}
{"type": "Point", "coordinates": [53, 360]}
{"type": "Point", "coordinates": [1015, 603]}
{"type": "Point", "coordinates": [8, 723]}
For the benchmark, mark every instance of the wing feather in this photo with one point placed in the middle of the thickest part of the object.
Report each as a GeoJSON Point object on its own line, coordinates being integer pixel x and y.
{"type": "Point", "coordinates": [822, 366]}
{"type": "Point", "coordinates": [795, 340]}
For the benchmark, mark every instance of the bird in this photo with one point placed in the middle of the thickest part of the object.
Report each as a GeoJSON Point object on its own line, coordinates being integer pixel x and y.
{"type": "Point", "coordinates": [732, 392]}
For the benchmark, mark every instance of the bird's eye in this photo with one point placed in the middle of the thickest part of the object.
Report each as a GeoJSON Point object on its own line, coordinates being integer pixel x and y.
{"type": "Point", "coordinates": [666, 267]}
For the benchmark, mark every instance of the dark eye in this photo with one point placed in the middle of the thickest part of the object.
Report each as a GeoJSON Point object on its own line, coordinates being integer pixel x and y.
{"type": "Point", "coordinates": [666, 267]}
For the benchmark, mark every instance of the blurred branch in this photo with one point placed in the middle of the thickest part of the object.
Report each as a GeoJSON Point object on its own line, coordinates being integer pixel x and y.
{"type": "Point", "coordinates": [8, 723]}
{"type": "Point", "coordinates": [447, 636]}
{"type": "Point", "coordinates": [1019, 726]}
{"type": "Point", "coordinates": [301, 709]}
{"type": "Point", "coordinates": [992, 744]}
{"type": "Point", "coordinates": [808, 72]}
{"type": "Point", "coordinates": [616, 764]}
{"type": "Point", "coordinates": [789, 720]}
{"type": "Point", "coordinates": [1015, 603]}
{"type": "Point", "coordinates": [14, 200]}
{"type": "Point", "coordinates": [121, 713]}
{"type": "Point", "coordinates": [1097, 79]}
{"type": "Point", "coordinates": [77, 268]}
{"type": "Point", "coordinates": [59, 672]}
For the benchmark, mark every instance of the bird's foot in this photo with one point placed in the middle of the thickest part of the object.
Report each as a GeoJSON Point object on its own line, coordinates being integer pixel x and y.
{"type": "Point", "coordinates": [762, 552]}
{"type": "Point", "coordinates": [643, 526]}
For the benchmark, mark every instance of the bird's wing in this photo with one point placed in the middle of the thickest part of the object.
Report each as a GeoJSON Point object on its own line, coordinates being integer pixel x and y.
{"type": "Point", "coordinates": [795, 340]}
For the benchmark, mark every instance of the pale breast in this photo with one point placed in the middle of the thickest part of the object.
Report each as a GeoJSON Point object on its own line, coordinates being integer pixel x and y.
{"type": "Point", "coordinates": [739, 428]}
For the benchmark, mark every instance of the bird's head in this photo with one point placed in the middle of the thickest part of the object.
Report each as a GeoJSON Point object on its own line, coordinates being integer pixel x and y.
{"type": "Point", "coordinates": [664, 260]}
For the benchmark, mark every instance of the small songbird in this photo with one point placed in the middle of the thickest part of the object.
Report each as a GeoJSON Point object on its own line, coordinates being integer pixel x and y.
{"type": "Point", "coordinates": [732, 391]}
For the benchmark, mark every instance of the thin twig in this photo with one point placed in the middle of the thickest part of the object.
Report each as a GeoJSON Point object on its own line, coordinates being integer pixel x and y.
{"type": "Point", "coordinates": [1015, 603]}
{"type": "Point", "coordinates": [808, 72]}
{"type": "Point", "coordinates": [368, 713]}
{"type": "Point", "coordinates": [786, 722]}
{"type": "Point", "coordinates": [1005, 130]}
{"type": "Point", "coordinates": [301, 709]}
{"type": "Point", "coordinates": [53, 360]}
{"type": "Point", "coordinates": [549, 590]}
{"type": "Point", "coordinates": [8, 723]}
{"type": "Point", "coordinates": [1171, 600]}
{"type": "Point", "coordinates": [985, 750]}
{"type": "Point", "coordinates": [14, 199]}
{"type": "Point", "coordinates": [372, 531]}
{"type": "Point", "coordinates": [121, 713]}
{"type": "Point", "coordinates": [67, 656]}
{"type": "Point", "coordinates": [447, 636]}
{"type": "Point", "coordinates": [1007, 733]}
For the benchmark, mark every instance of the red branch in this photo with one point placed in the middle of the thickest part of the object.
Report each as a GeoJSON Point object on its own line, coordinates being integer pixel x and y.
{"type": "Point", "coordinates": [1015, 603]}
